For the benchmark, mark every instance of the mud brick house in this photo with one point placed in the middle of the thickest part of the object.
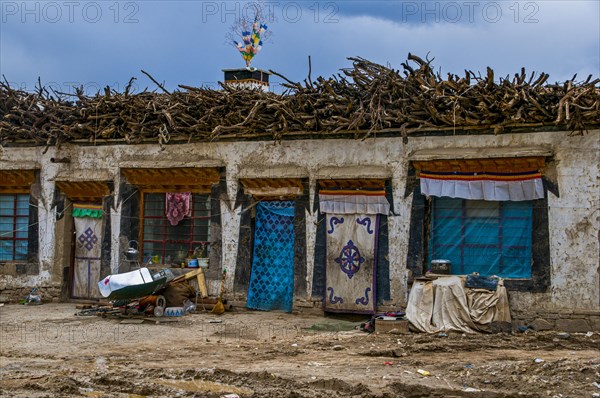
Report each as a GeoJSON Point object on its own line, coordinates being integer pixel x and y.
{"type": "Point", "coordinates": [331, 197]}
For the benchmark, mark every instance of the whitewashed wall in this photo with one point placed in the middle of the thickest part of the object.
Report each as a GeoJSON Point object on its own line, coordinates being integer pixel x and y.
{"type": "Point", "coordinates": [574, 218]}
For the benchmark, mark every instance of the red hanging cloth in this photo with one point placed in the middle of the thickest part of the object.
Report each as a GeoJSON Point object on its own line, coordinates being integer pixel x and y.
{"type": "Point", "coordinates": [178, 206]}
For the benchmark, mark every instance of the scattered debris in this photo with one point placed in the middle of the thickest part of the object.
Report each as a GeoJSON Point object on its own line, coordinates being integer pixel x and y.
{"type": "Point", "coordinates": [219, 309]}
{"type": "Point", "coordinates": [135, 321]}
{"type": "Point", "coordinates": [160, 361]}
{"type": "Point", "coordinates": [423, 372]}
{"type": "Point", "coordinates": [163, 320]}
{"type": "Point", "coordinates": [32, 298]}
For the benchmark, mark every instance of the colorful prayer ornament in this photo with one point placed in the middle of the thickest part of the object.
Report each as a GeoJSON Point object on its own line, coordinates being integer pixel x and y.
{"type": "Point", "coordinates": [252, 42]}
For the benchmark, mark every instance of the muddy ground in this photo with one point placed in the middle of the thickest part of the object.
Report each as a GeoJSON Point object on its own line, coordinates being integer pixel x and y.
{"type": "Point", "coordinates": [47, 351]}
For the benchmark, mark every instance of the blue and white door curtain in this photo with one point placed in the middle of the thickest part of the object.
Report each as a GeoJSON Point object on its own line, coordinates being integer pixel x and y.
{"type": "Point", "coordinates": [272, 278]}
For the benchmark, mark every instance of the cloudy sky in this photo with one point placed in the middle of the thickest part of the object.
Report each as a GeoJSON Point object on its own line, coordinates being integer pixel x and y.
{"type": "Point", "coordinates": [99, 43]}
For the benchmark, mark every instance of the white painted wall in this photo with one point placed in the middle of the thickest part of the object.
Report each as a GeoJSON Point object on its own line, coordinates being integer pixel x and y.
{"type": "Point", "coordinates": [574, 217]}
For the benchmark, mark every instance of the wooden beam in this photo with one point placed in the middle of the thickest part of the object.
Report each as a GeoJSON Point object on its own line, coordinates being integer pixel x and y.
{"type": "Point", "coordinates": [273, 187]}
{"type": "Point", "coordinates": [16, 181]}
{"type": "Point", "coordinates": [492, 165]}
{"type": "Point", "coordinates": [84, 191]}
{"type": "Point", "coordinates": [352, 183]}
{"type": "Point", "coordinates": [171, 177]}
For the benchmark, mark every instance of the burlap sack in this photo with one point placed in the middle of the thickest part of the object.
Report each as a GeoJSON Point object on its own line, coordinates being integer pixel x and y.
{"type": "Point", "coordinates": [177, 293]}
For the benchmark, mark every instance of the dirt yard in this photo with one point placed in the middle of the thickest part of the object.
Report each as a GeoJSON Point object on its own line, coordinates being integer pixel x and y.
{"type": "Point", "coordinates": [47, 351]}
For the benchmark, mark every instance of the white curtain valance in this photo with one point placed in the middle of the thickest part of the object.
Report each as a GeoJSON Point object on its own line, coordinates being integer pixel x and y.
{"type": "Point", "coordinates": [493, 179]}
{"type": "Point", "coordinates": [484, 189]}
{"type": "Point", "coordinates": [353, 202]}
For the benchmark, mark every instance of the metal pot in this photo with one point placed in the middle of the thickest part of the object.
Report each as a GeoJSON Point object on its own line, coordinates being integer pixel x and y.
{"type": "Point", "coordinates": [440, 266]}
{"type": "Point", "coordinates": [132, 253]}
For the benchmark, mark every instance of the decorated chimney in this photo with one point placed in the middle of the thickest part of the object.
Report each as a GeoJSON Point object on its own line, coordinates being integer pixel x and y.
{"type": "Point", "coordinates": [247, 36]}
{"type": "Point", "coordinates": [250, 78]}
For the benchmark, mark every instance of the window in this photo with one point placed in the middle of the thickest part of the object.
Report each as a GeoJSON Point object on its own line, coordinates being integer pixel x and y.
{"type": "Point", "coordinates": [172, 244]}
{"type": "Point", "coordinates": [14, 226]}
{"type": "Point", "coordinates": [489, 237]}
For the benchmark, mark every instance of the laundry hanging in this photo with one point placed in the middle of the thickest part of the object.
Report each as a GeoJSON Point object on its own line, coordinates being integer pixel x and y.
{"type": "Point", "coordinates": [177, 206]}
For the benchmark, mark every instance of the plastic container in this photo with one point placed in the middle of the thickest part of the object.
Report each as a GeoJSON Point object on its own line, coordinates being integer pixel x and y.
{"type": "Point", "coordinates": [384, 326]}
{"type": "Point", "coordinates": [203, 262]}
{"type": "Point", "coordinates": [159, 311]}
{"type": "Point", "coordinates": [188, 307]}
{"type": "Point", "coordinates": [174, 311]}
{"type": "Point", "coordinates": [192, 263]}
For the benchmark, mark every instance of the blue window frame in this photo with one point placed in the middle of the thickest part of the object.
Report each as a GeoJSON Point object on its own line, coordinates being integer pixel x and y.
{"type": "Point", "coordinates": [14, 226]}
{"type": "Point", "coordinates": [488, 237]}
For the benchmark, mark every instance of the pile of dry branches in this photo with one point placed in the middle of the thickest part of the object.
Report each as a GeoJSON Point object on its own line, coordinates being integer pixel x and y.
{"type": "Point", "coordinates": [361, 101]}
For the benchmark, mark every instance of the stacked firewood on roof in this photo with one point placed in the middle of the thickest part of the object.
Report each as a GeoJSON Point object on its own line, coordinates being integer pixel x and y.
{"type": "Point", "coordinates": [363, 101]}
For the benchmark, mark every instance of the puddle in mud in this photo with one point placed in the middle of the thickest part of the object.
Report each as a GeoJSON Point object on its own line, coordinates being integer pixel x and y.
{"type": "Point", "coordinates": [206, 386]}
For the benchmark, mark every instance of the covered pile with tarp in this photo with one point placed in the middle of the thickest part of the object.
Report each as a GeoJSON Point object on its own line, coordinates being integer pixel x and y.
{"type": "Point", "coordinates": [365, 100]}
{"type": "Point", "coordinates": [446, 304]}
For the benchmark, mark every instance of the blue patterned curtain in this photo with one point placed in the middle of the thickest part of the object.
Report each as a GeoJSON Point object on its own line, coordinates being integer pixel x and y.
{"type": "Point", "coordinates": [272, 279]}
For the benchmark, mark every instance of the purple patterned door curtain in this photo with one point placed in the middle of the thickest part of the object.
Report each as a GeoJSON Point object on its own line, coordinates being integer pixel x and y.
{"type": "Point", "coordinates": [88, 245]}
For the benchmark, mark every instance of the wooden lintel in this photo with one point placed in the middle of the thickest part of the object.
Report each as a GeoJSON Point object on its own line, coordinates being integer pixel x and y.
{"type": "Point", "coordinates": [84, 191]}
{"type": "Point", "coordinates": [273, 187]}
{"type": "Point", "coordinates": [199, 189]}
{"type": "Point", "coordinates": [198, 178]}
{"type": "Point", "coordinates": [367, 183]}
{"type": "Point", "coordinates": [16, 181]}
{"type": "Point", "coordinates": [498, 165]}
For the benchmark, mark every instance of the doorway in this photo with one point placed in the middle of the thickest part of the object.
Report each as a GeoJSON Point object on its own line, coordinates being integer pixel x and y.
{"type": "Point", "coordinates": [272, 275]}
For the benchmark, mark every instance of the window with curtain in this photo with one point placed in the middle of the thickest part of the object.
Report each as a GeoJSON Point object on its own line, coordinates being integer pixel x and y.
{"type": "Point", "coordinates": [488, 237]}
{"type": "Point", "coordinates": [172, 244]}
{"type": "Point", "coordinates": [14, 226]}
